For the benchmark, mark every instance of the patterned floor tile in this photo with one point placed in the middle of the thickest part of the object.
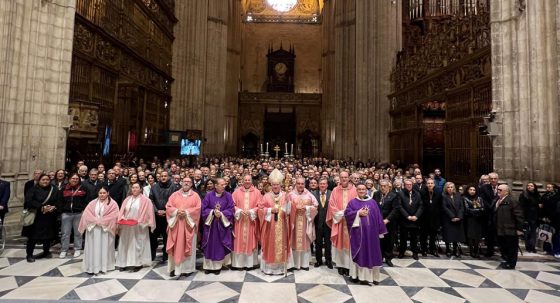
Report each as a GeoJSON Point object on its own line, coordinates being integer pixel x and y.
{"type": "Point", "coordinates": [429, 295]}
{"type": "Point", "coordinates": [156, 291]}
{"type": "Point", "coordinates": [45, 288]}
{"type": "Point", "coordinates": [101, 290]}
{"type": "Point", "coordinates": [323, 293]}
{"type": "Point", "coordinates": [214, 292]}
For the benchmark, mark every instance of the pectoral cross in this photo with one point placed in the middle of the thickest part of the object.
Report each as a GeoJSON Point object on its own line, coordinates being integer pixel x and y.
{"type": "Point", "coordinates": [276, 149]}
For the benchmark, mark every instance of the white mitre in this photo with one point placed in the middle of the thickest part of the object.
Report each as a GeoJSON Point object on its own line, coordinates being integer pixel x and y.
{"type": "Point", "coordinates": [276, 177]}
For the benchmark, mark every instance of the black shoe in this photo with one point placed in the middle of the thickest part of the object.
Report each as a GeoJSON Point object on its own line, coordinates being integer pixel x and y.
{"type": "Point", "coordinates": [341, 271]}
{"type": "Point", "coordinates": [207, 272]}
{"type": "Point", "coordinates": [354, 280]}
{"type": "Point", "coordinates": [135, 269]}
{"type": "Point", "coordinates": [505, 265]}
{"type": "Point", "coordinates": [401, 255]}
{"type": "Point", "coordinates": [291, 269]}
{"type": "Point", "coordinates": [329, 265]}
{"type": "Point", "coordinates": [43, 255]}
{"type": "Point", "coordinates": [375, 282]}
{"type": "Point", "coordinates": [217, 272]}
{"type": "Point", "coordinates": [30, 259]}
{"type": "Point", "coordinates": [389, 262]}
{"type": "Point", "coordinates": [424, 254]}
{"type": "Point", "coordinates": [318, 264]}
{"type": "Point", "coordinates": [347, 272]}
{"type": "Point", "coordinates": [435, 254]}
{"type": "Point", "coordinates": [365, 283]}
{"type": "Point", "coordinates": [415, 256]}
{"type": "Point", "coordinates": [122, 269]}
{"type": "Point", "coordinates": [172, 273]}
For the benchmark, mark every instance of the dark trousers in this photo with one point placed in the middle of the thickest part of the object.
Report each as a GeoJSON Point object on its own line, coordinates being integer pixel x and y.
{"type": "Point", "coordinates": [323, 241]}
{"type": "Point", "coordinates": [508, 247]}
{"type": "Point", "coordinates": [388, 242]}
{"type": "Point", "coordinates": [490, 238]}
{"type": "Point", "coordinates": [30, 247]}
{"type": "Point", "coordinates": [531, 236]}
{"type": "Point", "coordinates": [409, 233]}
{"type": "Point", "coordinates": [161, 229]}
{"type": "Point", "coordinates": [428, 238]}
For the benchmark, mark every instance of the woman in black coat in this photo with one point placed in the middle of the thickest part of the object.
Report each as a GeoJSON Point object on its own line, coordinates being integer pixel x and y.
{"type": "Point", "coordinates": [453, 214]}
{"type": "Point", "coordinates": [530, 200]}
{"type": "Point", "coordinates": [550, 215]}
{"type": "Point", "coordinates": [475, 218]}
{"type": "Point", "coordinates": [43, 198]}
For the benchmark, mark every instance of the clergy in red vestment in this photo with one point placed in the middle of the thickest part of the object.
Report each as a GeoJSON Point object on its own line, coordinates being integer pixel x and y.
{"type": "Point", "coordinates": [245, 249]}
{"type": "Point", "coordinates": [340, 196]}
{"type": "Point", "coordinates": [304, 210]}
{"type": "Point", "coordinates": [183, 215]}
{"type": "Point", "coordinates": [275, 224]}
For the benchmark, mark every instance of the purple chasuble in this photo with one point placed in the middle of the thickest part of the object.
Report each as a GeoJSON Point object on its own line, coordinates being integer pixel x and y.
{"type": "Point", "coordinates": [365, 245]}
{"type": "Point", "coordinates": [217, 240]}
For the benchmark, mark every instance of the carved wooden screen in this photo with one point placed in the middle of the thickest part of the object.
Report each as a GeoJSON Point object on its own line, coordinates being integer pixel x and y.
{"type": "Point", "coordinates": [446, 59]}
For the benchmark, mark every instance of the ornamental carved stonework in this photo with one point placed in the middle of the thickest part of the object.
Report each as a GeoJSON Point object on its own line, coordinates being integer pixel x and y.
{"type": "Point", "coordinates": [83, 39]}
{"type": "Point", "coordinates": [106, 52]}
{"type": "Point", "coordinates": [445, 42]}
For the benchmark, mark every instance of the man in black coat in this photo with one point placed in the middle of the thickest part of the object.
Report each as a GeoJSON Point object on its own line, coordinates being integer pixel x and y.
{"type": "Point", "coordinates": [159, 194]}
{"type": "Point", "coordinates": [322, 230]}
{"type": "Point", "coordinates": [117, 189]}
{"type": "Point", "coordinates": [509, 226]}
{"type": "Point", "coordinates": [4, 198]}
{"type": "Point", "coordinates": [431, 218]}
{"type": "Point", "coordinates": [489, 195]}
{"type": "Point", "coordinates": [92, 185]}
{"type": "Point", "coordinates": [411, 210]}
{"type": "Point", "coordinates": [29, 184]}
{"type": "Point", "coordinates": [389, 204]}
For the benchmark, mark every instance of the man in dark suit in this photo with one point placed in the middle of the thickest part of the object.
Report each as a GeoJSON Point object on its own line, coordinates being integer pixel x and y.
{"type": "Point", "coordinates": [389, 205]}
{"type": "Point", "coordinates": [509, 225]}
{"type": "Point", "coordinates": [431, 218]}
{"type": "Point", "coordinates": [489, 195]}
{"type": "Point", "coordinates": [198, 183]}
{"type": "Point", "coordinates": [117, 191]}
{"type": "Point", "coordinates": [411, 210]}
{"type": "Point", "coordinates": [322, 231]}
{"type": "Point", "coordinates": [419, 184]}
{"type": "Point", "coordinates": [29, 184]}
{"type": "Point", "coordinates": [4, 198]}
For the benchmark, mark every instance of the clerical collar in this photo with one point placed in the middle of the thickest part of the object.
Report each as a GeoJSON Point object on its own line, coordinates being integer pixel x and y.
{"type": "Point", "coordinates": [186, 193]}
{"type": "Point", "coordinates": [218, 195]}
{"type": "Point", "coordinates": [365, 198]}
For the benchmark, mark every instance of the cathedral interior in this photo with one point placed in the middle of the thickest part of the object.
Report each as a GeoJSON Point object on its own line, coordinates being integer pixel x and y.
{"type": "Point", "coordinates": [461, 85]}
{"type": "Point", "coordinates": [467, 86]}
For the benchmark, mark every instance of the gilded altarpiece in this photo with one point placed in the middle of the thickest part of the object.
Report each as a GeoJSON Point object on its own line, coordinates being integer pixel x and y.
{"type": "Point", "coordinates": [121, 73]}
{"type": "Point", "coordinates": [441, 90]}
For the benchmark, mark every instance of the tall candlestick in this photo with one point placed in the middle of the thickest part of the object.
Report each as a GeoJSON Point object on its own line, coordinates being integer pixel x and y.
{"type": "Point", "coordinates": [261, 148]}
{"type": "Point", "coordinates": [292, 149]}
{"type": "Point", "coordinates": [267, 147]}
{"type": "Point", "coordinates": [286, 145]}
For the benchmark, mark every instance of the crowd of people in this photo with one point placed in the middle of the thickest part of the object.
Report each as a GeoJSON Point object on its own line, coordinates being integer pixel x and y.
{"type": "Point", "coordinates": [351, 215]}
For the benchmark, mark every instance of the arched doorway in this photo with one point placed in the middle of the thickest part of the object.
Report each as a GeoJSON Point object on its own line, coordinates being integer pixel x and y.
{"type": "Point", "coordinates": [249, 145]}
{"type": "Point", "coordinates": [310, 143]}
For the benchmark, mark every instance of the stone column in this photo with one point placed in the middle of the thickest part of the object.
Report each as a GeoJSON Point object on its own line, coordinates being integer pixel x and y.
{"type": "Point", "coordinates": [199, 67]}
{"type": "Point", "coordinates": [360, 44]}
{"type": "Point", "coordinates": [525, 71]}
{"type": "Point", "coordinates": [189, 65]}
{"type": "Point", "coordinates": [233, 76]}
{"type": "Point", "coordinates": [36, 56]}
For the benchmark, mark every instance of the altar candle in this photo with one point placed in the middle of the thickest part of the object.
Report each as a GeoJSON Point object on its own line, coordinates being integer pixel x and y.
{"type": "Point", "coordinates": [261, 148]}
{"type": "Point", "coordinates": [286, 144]}
{"type": "Point", "coordinates": [267, 147]}
{"type": "Point", "coordinates": [292, 148]}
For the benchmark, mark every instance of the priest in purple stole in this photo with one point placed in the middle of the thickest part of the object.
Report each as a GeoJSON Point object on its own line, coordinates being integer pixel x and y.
{"type": "Point", "coordinates": [365, 227]}
{"type": "Point", "coordinates": [217, 237]}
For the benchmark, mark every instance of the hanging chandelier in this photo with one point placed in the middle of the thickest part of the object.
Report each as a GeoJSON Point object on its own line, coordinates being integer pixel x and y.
{"type": "Point", "coordinates": [282, 5]}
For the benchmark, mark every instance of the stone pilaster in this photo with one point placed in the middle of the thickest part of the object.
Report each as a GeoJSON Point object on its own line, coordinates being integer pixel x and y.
{"type": "Point", "coordinates": [525, 74]}
{"type": "Point", "coordinates": [36, 56]}
{"type": "Point", "coordinates": [199, 67]}
{"type": "Point", "coordinates": [361, 39]}
{"type": "Point", "coordinates": [233, 76]}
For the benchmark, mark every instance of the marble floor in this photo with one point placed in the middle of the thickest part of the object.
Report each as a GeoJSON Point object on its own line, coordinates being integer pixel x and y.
{"type": "Point", "coordinates": [537, 279]}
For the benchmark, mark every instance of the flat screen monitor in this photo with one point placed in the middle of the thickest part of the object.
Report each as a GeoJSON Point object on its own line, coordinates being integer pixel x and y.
{"type": "Point", "coordinates": [190, 147]}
